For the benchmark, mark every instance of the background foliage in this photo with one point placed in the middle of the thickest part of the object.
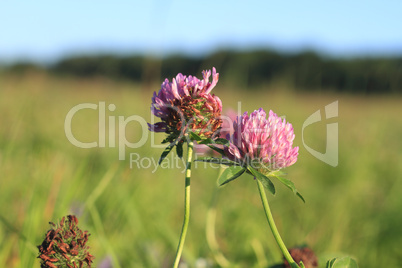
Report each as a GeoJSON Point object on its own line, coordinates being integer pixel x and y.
{"type": "Point", "coordinates": [304, 71]}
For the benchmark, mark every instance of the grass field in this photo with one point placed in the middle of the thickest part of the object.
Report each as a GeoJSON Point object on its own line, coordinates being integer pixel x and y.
{"type": "Point", "coordinates": [134, 214]}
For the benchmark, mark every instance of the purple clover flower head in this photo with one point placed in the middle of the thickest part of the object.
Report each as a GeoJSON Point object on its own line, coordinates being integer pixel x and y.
{"type": "Point", "coordinates": [265, 144]}
{"type": "Point", "coordinates": [187, 104]}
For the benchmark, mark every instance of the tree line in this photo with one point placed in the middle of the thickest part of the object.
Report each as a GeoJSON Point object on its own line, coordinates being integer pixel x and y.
{"type": "Point", "coordinates": [304, 70]}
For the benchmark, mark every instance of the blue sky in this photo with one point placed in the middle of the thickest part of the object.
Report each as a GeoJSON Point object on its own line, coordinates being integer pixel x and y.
{"type": "Point", "coordinates": [47, 30]}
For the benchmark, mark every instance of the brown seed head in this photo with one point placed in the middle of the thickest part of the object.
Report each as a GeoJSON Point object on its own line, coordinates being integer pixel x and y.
{"type": "Point", "coordinates": [304, 254]}
{"type": "Point", "coordinates": [65, 246]}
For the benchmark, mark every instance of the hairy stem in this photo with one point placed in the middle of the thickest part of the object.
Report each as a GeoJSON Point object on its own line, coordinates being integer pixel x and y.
{"type": "Point", "coordinates": [272, 225]}
{"type": "Point", "coordinates": [186, 205]}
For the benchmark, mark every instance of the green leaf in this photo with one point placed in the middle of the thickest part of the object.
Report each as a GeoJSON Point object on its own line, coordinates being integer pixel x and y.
{"type": "Point", "coordinates": [217, 141]}
{"type": "Point", "coordinates": [301, 264]}
{"type": "Point", "coordinates": [195, 137]}
{"type": "Point", "coordinates": [216, 149]}
{"type": "Point", "coordinates": [220, 161]}
{"type": "Point", "coordinates": [330, 263]}
{"type": "Point", "coordinates": [207, 141]}
{"type": "Point", "coordinates": [345, 262]}
{"type": "Point", "coordinates": [222, 141]}
{"type": "Point", "coordinates": [277, 173]}
{"type": "Point", "coordinates": [208, 159]}
{"type": "Point", "coordinates": [291, 186]}
{"type": "Point", "coordinates": [230, 173]}
{"type": "Point", "coordinates": [166, 152]}
{"type": "Point", "coordinates": [179, 149]}
{"type": "Point", "coordinates": [263, 179]}
{"type": "Point", "coordinates": [166, 140]}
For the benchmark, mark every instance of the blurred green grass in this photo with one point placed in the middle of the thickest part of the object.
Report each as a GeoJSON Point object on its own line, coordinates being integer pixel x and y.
{"type": "Point", "coordinates": [135, 215]}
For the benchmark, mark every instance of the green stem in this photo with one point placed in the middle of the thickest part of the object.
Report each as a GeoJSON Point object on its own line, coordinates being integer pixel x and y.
{"type": "Point", "coordinates": [186, 205]}
{"type": "Point", "coordinates": [272, 225]}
